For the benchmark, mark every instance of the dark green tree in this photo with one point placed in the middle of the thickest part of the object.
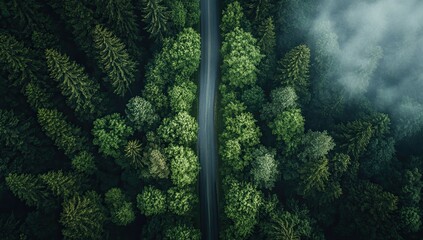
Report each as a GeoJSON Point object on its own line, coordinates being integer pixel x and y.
{"type": "Point", "coordinates": [82, 93]}
{"type": "Point", "coordinates": [156, 17]}
{"type": "Point", "coordinates": [121, 210]}
{"type": "Point", "coordinates": [37, 97]}
{"type": "Point", "coordinates": [182, 232]}
{"type": "Point", "coordinates": [82, 217]}
{"type": "Point", "coordinates": [114, 60]}
{"type": "Point", "coordinates": [28, 188]}
{"type": "Point", "coordinates": [84, 162]}
{"type": "Point", "coordinates": [65, 136]}
{"type": "Point", "coordinates": [60, 183]}
{"type": "Point", "coordinates": [282, 99]}
{"type": "Point", "coordinates": [133, 153]}
{"type": "Point", "coordinates": [354, 136]}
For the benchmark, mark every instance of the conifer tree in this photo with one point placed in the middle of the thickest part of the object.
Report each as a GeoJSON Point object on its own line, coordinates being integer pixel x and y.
{"type": "Point", "coordinates": [133, 152]}
{"type": "Point", "coordinates": [60, 183]}
{"type": "Point", "coordinates": [16, 60]}
{"type": "Point", "coordinates": [84, 163]}
{"type": "Point", "coordinates": [65, 136]}
{"type": "Point", "coordinates": [81, 20]}
{"type": "Point", "coordinates": [82, 217]}
{"type": "Point", "coordinates": [82, 93]}
{"type": "Point", "coordinates": [120, 18]}
{"type": "Point", "coordinates": [114, 60]}
{"type": "Point", "coordinates": [293, 71]}
{"type": "Point", "coordinates": [37, 97]}
{"type": "Point", "coordinates": [355, 136]}
{"type": "Point", "coordinates": [27, 188]}
{"type": "Point", "coordinates": [155, 16]}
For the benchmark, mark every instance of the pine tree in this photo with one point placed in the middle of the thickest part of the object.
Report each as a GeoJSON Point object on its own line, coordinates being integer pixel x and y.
{"type": "Point", "coordinates": [133, 152]}
{"type": "Point", "coordinates": [83, 217]}
{"type": "Point", "coordinates": [82, 93]}
{"type": "Point", "coordinates": [114, 60]}
{"type": "Point", "coordinates": [60, 183]}
{"type": "Point", "coordinates": [84, 163]}
{"type": "Point", "coordinates": [293, 71]}
{"type": "Point", "coordinates": [16, 60]}
{"type": "Point", "coordinates": [37, 97]}
{"type": "Point", "coordinates": [27, 188]}
{"type": "Point", "coordinates": [120, 209]}
{"type": "Point", "coordinates": [65, 136]}
{"type": "Point", "coordinates": [156, 17]}
{"type": "Point", "coordinates": [120, 18]}
{"type": "Point", "coordinates": [81, 20]}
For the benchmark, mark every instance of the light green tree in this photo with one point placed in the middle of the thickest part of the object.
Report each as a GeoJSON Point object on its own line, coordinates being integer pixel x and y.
{"type": "Point", "coordinates": [288, 126]}
{"type": "Point", "coordinates": [84, 162]}
{"type": "Point", "coordinates": [264, 169]}
{"type": "Point", "coordinates": [141, 113]}
{"type": "Point", "coordinates": [184, 165]}
{"type": "Point", "coordinates": [151, 201]}
{"type": "Point", "coordinates": [181, 201]}
{"type": "Point", "coordinates": [180, 129]}
{"type": "Point", "coordinates": [182, 96]}
{"type": "Point", "coordinates": [232, 17]}
{"type": "Point", "coordinates": [182, 232]}
{"type": "Point", "coordinates": [60, 183]}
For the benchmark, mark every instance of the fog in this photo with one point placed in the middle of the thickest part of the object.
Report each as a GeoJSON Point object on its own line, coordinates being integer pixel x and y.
{"type": "Point", "coordinates": [378, 49]}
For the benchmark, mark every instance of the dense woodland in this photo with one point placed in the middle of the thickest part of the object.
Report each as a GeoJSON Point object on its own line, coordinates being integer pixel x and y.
{"type": "Point", "coordinates": [98, 127]}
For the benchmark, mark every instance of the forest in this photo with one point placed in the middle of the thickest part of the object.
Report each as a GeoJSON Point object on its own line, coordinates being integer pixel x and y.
{"type": "Point", "coordinates": [319, 119]}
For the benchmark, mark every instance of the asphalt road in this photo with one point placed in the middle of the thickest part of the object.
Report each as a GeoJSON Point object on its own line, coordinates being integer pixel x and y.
{"type": "Point", "coordinates": [206, 118]}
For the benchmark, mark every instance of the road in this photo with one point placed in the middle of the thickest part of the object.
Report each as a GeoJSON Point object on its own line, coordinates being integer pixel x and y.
{"type": "Point", "coordinates": [207, 132]}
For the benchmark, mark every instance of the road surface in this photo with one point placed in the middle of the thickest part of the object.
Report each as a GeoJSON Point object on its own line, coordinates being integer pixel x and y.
{"type": "Point", "coordinates": [207, 132]}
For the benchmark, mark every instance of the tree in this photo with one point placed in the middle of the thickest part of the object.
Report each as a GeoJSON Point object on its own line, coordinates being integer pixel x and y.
{"type": "Point", "coordinates": [15, 60]}
{"type": "Point", "coordinates": [253, 98]}
{"type": "Point", "coordinates": [241, 57]}
{"type": "Point", "coordinates": [242, 205]}
{"type": "Point", "coordinates": [288, 226]}
{"type": "Point", "coordinates": [282, 99]}
{"type": "Point", "coordinates": [141, 113]}
{"type": "Point", "coordinates": [184, 165]}
{"type": "Point", "coordinates": [232, 17]}
{"type": "Point", "coordinates": [37, 97]}
{"type": "Point", "coordinates": [293, 71]}
{"type": "Point", "coordinates": [121, 210]}
{"type": "Point", "coordinates": [264, 169]}
{"type": "Point", "coordinates": [121, 19]}
{"type": "Point", "coordinates": [133, 153]}
{"type": "Point", "coordinates": [83, 162]}
{"type": "Point", "coordinates": [182, 232]}
{"type": "Point", "coordinates": [12, 131]}
{"type": "Point", "coordinates": [82, 217]}
{"type": "Point", "coordinates": [181, 201]}
{"type": "Point", "coordinates": [60, 183]}
{"type": "Point", "coordinates": [28, 188]}
{"type": "Point", "coordinates": [155, 16]}
{"type": "Point", "coordinates": [178, 14]}
{"type": "Point", "coordinates": [158, 167]}
{"type": "Point", "coordinates": [314, 175]}
{"type": "Point", "coordinates": [151, 201]}
{"type": "Point", "coordinates": [288, 126]}
{"type": "Point", "coordinates": [354, 136]}
{"type": "Point", "coordinates": [180, 129]}
{"type": "Point", "coordinates": [110, 134]}
{"type": "Point", "coordinates": [81, 92]}
{"type": "Point", "coordinates": [410, 219]}
{"type": "Point", "coordinates": [182, 96]}
{"type": "Point", "coordinates": [267, 41]}
{"type": "Point", "coordinates": [114, 60]}
{"type": "Point", "coordinates": [193, 12]}
{"type": "Point", "coordinates": [65, 136]}
{"type": "Point", "coordinates": [80, 19]}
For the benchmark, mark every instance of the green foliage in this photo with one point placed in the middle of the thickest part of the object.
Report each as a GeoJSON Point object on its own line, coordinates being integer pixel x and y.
{"type": "Point", "coordinates": [114, 60]}
{"type": "Point", "coordinates": [141, 113]}
{"type": "Point", "coordinates": [158, 167]}
{"type": "Point", "coordinates": [340, 163]}
{"type": "Point", "coordinates": [64, 135]}
{"type": "Point", "coordinates": [242, 203]}
{"type": "Point", "coordinates": [181, 201]}
{"type": "Point", "coordinates": [28, 188]}
{"type": "Point", "coordinates": [293, 71]}
{"type": "Point", "coordinates": [281, 99]}
{"type": "Point", "coordinates": [133, 153]}
{"type": "Point", "coordinates": [316, 145]}
{"type": "Point", "coordinates": [410, 219]}
{"type": "Point", "coordinates": [267, 40]}
{"type": "Point", "coordinates": [354, 136]}
{"type": "Point", "coordinates": [16, 60]}
{"type": "Point", "coordinates": [180, 129]}
{"type": "Point", "coordinates": [11, 130]}
{"type": "Point", "coordinates": [82, 217]}
{"type": "Point", "coordinates": [60, 183]}
{"type": "Point", "coordinates": [37, 97]}
{"type": "Point", "coordinates": [288, 226]}
{"type": "Point", "coordinates": [241, 57]}
{"type": "Point", "coordinates": [184, 165]}
{"type": "Point", "coordinates": [193, 12]}
{"type": "Point", "coordinates": [122, 21]}
{"type": "Point", "coordinates": [182, 96]}
{"type": "Point", "coordinates": [232, 17]}
{"type": "Point", "coordinates": [84, 163]}
{"type": "Point", "coordinates": [155, 16]}
{"type": "Point", "coordinates": [151, 201]}
{"type": "Point", "coordinates": [264, 169]}
{"type": "Point", "coordinates": [110, 134]}
{"type": "Point", "coordinates": [182, 232]}
{"type": "Point", "coordinates": [288, 126]}
{"type": "Point", "coordinates": [412, 187]}
{"type": "Point", "coordinates": [378, 157]}
{"type": "Point", "coordinates": [82, 93]}
{"type": "Point", "coordinates": [314, 175]}
{"type": "Point", "coordinates": [253, 98]}
{"type": "Point", "coordinates": [121, 210]}
{"type": "Point", "coordinates": [80, 19]}
{"type": "Point", "coordinates": [178, 14]}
